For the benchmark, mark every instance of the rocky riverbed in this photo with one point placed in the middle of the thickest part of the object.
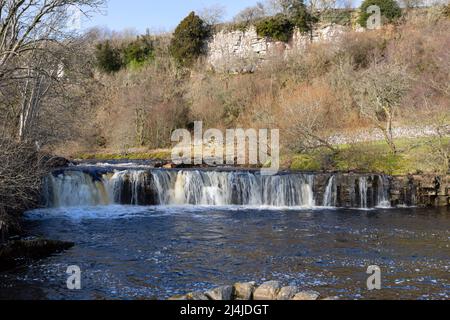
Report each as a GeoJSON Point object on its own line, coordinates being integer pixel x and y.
{"type": "Point", "coordinates": [247, 291]}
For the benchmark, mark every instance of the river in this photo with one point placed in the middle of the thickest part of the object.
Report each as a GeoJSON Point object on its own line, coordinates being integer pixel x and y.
{"type": "Point", "coordinates": [157, 251]}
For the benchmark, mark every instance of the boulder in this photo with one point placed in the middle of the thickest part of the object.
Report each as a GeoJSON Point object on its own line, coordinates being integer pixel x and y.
{"type": "Point", "coordinates": [287, 293]}
{"type": "Point", "coordinates": [197, 296]}
{"type": "Point", "coordinates": [244, 291]}
{"type": "Point", "coordinates": [178, 298]}
{"type": "Point", "coordinates": [307, 296]}
{"type": "Point", "coordinates": [267, 291]}
{"type": "Point", "coordinates": [224, 293]}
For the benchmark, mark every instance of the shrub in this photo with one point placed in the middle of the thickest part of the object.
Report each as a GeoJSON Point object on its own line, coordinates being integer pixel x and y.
{"type": "Point", "coordinates": [446, 11]}
{"type": "Point", "coordinates": [390, 10]}
{"type": "Point", "coordinates": [301, 18]}
{"type": "Point", "coordinates": [188, 40]}
{"type": "Point", "coordinates": [138, 51]}
{"type": "Point", "coordinates": [108, 58]}
{"type": "Point", "coordinates": [278, 28]}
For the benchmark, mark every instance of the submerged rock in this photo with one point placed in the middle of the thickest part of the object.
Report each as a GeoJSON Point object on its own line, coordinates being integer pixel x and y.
{"type": "Point", "coordinates": [224, 293]}
{"type": "Point", "coordinates": [244, 291]}
{"type": "Point", "coordinates": [267, 291]}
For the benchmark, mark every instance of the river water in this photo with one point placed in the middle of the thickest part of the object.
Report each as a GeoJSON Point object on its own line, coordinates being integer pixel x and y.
{"type": "Point", "coordinates": [153, 252]}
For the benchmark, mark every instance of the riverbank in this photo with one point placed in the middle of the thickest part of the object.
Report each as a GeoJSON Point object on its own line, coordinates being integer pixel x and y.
{"type": "Point", "coordinates": [414, 156]}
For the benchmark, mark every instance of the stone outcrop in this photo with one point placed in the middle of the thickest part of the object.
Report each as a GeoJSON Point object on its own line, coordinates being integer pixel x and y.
{"type": "Point", "coordinates": [18, 251]}
{"type": "Point", "coordinates": [241, 51]}
{"type": "Point", "coordinates": [413, 190]}
{"type": "Point", "coordinates": [269, 291]}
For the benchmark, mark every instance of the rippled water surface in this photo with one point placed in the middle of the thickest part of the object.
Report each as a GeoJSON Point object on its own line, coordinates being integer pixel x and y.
{"type": "Point", "coordinates": [152, 252]}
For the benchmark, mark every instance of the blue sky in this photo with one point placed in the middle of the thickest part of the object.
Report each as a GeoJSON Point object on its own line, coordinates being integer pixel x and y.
{"type": "Point", "coordinates": [157, 15]}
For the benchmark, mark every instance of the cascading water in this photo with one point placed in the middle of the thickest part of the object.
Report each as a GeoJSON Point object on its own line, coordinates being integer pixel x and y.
{"type": "Point", "coordinates": [74, 188]}
{"type": "Point", "coordinates": [159, 187]}
{"type": "Point", "coordinates": [209, 188]}
{"type": "Point", "coordinates": [383, 192]}
{"type": "Point", "coordinates": [363, 192]}
{"type": "Point", "coordinates": [330, 196]}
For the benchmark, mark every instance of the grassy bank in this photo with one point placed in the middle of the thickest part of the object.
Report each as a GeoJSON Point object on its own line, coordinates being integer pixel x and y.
{"type": "Point", "coordinates": [150, 155]}
{"type": "Point", "coordinates": [413, 156]}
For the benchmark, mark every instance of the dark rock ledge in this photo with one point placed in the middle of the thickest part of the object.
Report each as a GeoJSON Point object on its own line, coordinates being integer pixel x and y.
{"type": "Point", "coordinates": [269, 291]}
{"type": "Point", "coordinates": [16, 252]}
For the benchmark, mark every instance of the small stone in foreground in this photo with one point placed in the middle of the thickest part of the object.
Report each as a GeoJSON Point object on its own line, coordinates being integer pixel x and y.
{"type": "Point", "coordinates": [220, 294]}
{"type": "Point", "coordinates": [244, 291]}
{"type": "Point", "coordinates": [307, 296]}
{"type": "Point", "coordinates": [197, 296]}
{"type": "Point", "coordinates": [287, 293]}
{"type": "Point", "coordinates": [178, 298]}
{"type": "Point", "coordinates": [267, 291]}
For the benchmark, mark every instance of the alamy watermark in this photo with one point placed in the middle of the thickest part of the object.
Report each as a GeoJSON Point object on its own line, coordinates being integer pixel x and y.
{"type": "Point", "coordinates": [74, 280]}
{"type": "Point", "coordinates": [374, 21]}
{"type": "Point", "coordinates": [234, 147]}
{"type": "Point", "coordinates": [374, 281]}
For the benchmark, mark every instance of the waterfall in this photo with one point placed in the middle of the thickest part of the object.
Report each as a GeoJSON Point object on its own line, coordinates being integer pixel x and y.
{"type": "Point", "coordinates": [330, 196]}
{"type": "Point", "coordinates": [73, 188]}
{"type": "Point", "coordinates": [160, 187]}
{"type": "Point", "coordinates": [383, 192]}
{"type": "Point", "coordinates": [210, 188]}
{"type": "Point", "coordinates": [363, 192]}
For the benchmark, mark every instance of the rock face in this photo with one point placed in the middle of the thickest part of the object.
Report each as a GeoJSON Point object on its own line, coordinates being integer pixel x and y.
{"type": "Point", "coordinates": [241, 51]}
{"type": "Point", "coordinates": [267, 291]}
{"type": "Point", "coordinates": [350, 190]}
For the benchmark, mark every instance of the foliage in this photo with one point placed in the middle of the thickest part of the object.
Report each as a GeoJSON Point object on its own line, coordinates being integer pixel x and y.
{"type": "Point", "coordinates": [390, 10]}
{"type": "Point", "coordinates": [138, 51]}
{"type": "Point", "coordinates": [300, 17]}
{"type": "Point", "coordinates": [305, 163]}
{"type": "Point", "coordinates": [281, 26]}
{"type": "Point", "coordinates": [446, 11]}
{"type": "Point", "coordinates": [188, 40]}
{"type": "Point", "coordinates": [132, 54]}
{"type": "Point", "coordinates": [278, 28]}
{"type": "Point", "coordinates": [108, 58]}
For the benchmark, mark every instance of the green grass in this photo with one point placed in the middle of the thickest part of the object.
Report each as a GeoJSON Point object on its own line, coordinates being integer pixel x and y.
{"type": "Point", "coordinates": [413, 156]}
{"type": "Point", "coordinates": [156, 155]}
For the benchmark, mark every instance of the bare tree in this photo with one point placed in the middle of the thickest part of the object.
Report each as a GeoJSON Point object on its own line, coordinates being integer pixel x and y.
{"type": "Point", "coordinates": [29, 31]}
{"type": "Point", "coordinates": [213, 15]}
{"type": "Point", "coordinates": [379, 91]}
{"type": "Point", "coordinates": [251, 14]}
